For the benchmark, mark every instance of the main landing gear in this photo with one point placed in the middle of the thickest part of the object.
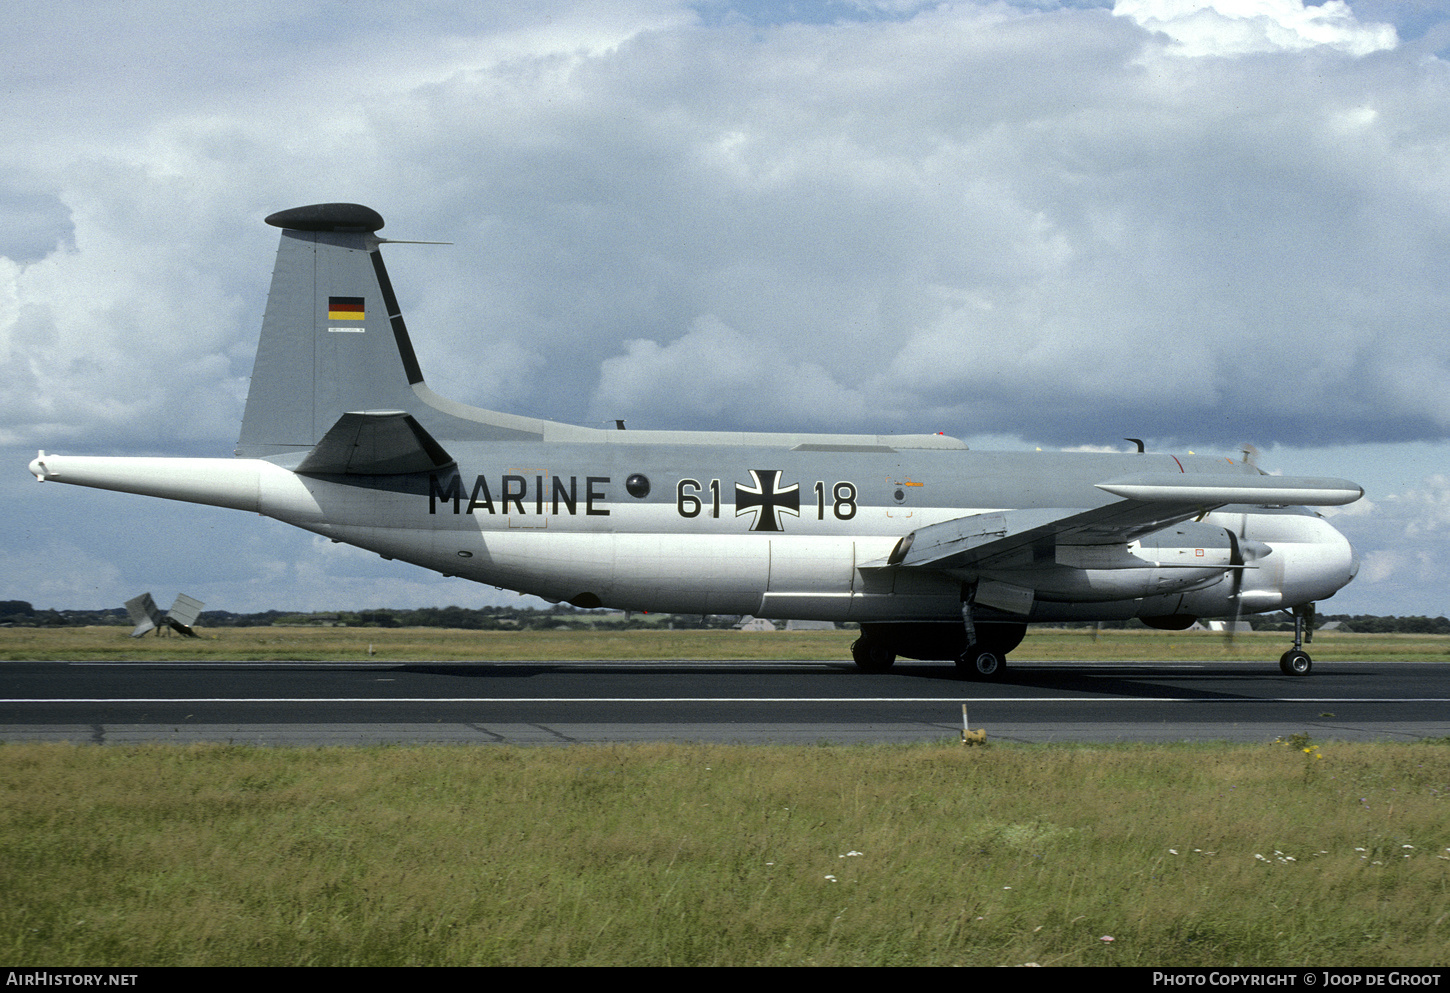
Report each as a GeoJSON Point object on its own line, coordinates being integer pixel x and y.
{"type": "Point", "coordinates": [983, 657]}
{"type": "Point", "coordinates": [978, 661]}
{"type": "Point", "coordinates": [981, 663]}
{"type": "Point", "coordinates": [871, 655]}
{"type": "Point", "coordinates": [1296, 661]}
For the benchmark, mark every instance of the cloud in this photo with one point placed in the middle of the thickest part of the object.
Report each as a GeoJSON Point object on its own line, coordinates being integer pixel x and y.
{"type": "Point", "coordinates": [1238, 27]}
{"type": "Point", "coordinates": [1192, 223]}
{"type": "Point", "coordinates": [60, 573]}
{"type": "Point", "coordinates": [32, 224]}
{"type": "Point", "coordinates": [665, 383]}
{"type": "Point", "coordinates": [1060, 247]}
{"type": "Point", "coordinates": [117, 336]}
{"type": "Point", "coordinates": [1404, 540]}
{"type": "Point", "coordinates": [1026, 221]}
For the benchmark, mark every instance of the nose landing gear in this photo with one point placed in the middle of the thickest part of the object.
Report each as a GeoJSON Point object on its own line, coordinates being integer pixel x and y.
{"type": "Point", "coordinates": [1295, 662]}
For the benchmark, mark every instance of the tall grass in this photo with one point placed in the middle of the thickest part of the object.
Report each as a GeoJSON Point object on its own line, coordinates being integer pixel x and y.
{"type": "Point", "coordinates": [709, 855]}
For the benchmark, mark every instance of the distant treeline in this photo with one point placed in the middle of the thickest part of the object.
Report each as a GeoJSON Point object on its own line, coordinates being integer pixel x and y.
{"type": "Point", "coordinates": [19, 613]}
{"type": "Point", "coordinates": [1369, 624]}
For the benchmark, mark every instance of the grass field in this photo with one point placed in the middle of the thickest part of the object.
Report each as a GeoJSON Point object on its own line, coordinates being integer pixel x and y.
{"type": "Point", "coordinates": [441, 644]}
{"type": "Point", "coordinates": [714, 855]}
{"type": "Point", "coordinates": [1285, 854]}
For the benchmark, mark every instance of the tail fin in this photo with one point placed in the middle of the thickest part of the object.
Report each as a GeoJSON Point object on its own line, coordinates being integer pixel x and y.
{"type": "Point", "coordinates": [332, 338]}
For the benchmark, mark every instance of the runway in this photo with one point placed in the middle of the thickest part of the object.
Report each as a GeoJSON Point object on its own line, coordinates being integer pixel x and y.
{"type": "Point", "coordinates": [527, 702]}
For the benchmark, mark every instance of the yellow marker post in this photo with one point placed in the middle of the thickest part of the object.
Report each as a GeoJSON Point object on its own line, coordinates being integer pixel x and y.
{"type": "Point", "coordinates": [970, 737]}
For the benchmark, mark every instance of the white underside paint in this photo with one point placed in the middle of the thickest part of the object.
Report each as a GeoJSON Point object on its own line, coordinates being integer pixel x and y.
{"type": "Point", "coordinates": [645, 556]}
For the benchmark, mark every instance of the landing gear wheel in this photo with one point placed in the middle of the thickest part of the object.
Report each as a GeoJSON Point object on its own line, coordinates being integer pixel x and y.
{"type": "Point", "coordinates": [981, 663]}
{"type": "Point", "coordinates": [871, 656]}
{"type": "Point", "coordinates": [1295, 663]}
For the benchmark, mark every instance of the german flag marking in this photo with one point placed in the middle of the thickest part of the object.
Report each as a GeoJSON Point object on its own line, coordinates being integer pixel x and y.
{"type": "Point", "coordinates": [345, 309]}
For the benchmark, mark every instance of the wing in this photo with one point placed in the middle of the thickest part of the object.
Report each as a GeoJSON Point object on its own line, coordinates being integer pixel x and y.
{"type": "Point", "coordinates": [1151, 501]}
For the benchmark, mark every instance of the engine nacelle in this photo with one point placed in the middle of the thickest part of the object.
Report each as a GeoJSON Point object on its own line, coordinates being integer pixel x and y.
{"type": "Point", "coordinates": [1310, 561]}
{"type": "Point", "coordinates": [1178, 559]}
{"type": "Point", "coordinates": [1232, 563]}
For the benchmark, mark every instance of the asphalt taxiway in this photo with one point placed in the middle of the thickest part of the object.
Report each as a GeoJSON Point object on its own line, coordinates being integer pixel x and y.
{"type": "Point", "coordinates": [525, 702]}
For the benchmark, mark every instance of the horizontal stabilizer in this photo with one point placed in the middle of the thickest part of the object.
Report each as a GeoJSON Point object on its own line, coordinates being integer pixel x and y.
{"type": "Point", "coordinates": [1206, 489]}
{"type": "Point", "coordinates": [375, 443]}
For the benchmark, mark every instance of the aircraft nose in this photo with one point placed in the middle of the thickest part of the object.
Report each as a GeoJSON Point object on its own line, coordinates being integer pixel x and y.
{"type": "Point", "coordinates": [1344, 558]}
{"type": "Point", "coordinates": [1330, 564]}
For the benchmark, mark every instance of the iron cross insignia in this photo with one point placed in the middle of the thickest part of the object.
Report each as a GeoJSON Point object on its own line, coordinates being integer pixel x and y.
{"type": "Point", "coordinates": [765, 501]}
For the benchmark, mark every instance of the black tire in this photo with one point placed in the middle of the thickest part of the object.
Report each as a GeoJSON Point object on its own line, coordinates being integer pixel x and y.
{"type": "Point", "coordinates": [871, 656]}
{"type": "Point", "coordinates": [1295, 663]}
{"type": "Point", "coordinates": [981, 663]}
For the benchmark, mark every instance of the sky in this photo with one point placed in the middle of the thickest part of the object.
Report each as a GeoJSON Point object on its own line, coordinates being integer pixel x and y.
{"type": "Point", "coordinates": [1029, 224]}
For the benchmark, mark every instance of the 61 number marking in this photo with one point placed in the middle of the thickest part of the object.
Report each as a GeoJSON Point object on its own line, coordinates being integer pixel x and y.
{"type": "Point", "coordinates": [688, 504]}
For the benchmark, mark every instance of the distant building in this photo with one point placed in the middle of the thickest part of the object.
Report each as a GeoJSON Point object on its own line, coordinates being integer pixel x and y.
{"type": "Point", "coordinates": [1234, 627]}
